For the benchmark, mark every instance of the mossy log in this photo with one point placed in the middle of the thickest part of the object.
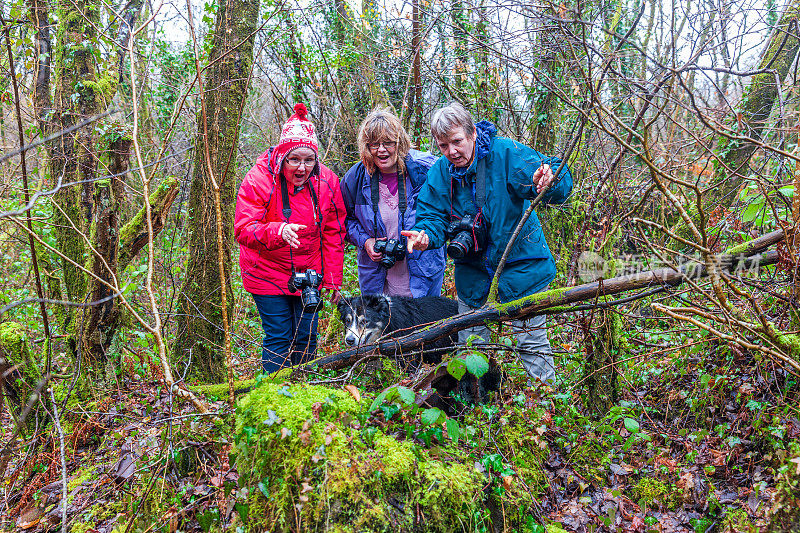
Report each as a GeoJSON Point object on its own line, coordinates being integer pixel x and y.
{"type": "Point", "coordinates": [133, 236]}
{"type": "Point", "coordinates": [547, 302]}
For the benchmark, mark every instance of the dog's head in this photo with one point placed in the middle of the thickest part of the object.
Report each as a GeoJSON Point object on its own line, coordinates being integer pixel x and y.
{"type": "Point", "coordinates": [364, 317]}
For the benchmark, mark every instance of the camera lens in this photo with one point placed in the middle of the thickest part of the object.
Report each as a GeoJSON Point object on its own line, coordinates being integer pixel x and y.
{"type": "Point", "coordinates": [310, 299]}
{"type": "Point", "coordinates": [460, 245]}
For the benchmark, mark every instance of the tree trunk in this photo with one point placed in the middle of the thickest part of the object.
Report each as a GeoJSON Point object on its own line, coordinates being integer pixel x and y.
{"type": "Point", "coordinates": [756, 106]}
{"type": "Point", "coordinates": [86, 209]}
{"type": "Point", "coordinates": [201, 334]}
{"type": "Point", "coordinates": [460, 20]}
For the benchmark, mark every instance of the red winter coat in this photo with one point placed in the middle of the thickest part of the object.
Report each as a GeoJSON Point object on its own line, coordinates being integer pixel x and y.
{"type": "Point", "coordinates": [263, 254]}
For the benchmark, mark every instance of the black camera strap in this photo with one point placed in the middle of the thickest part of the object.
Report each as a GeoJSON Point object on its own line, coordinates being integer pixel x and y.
{"type": "Point", "coordinates": [479, 197]}
{"type": "Point", "coordinates": [402, 200]}
{"type": "Point", "coordinates": [287, 212]}
{"type": "Point", "coordinates": [480, 184]}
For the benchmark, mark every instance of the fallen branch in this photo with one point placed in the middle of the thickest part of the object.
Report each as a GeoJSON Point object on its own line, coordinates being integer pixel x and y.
{"type": "Point", "coordinates": [549, 302]}
{"type": "Point", "coordinates": [133, 235]}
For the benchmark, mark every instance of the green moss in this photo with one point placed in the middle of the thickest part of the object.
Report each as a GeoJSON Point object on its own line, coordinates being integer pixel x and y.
{"type": "Point", "coordinates": [540, 300]}
{"type": "Point", "coordinates": [220, 390]}
{"type": "Point", "coordinates": [649, 490]}
{"type": "Point", "coordinates": [14, 345]}
{"type": "Point", "coordinates": [88, 473]}
{"type": "Point", "coordinates": [305, 455]}
{"type": "Point", "coordinates": [590, 459]}
{"type": "Point", "coordinates": [397, 457]}
{"type": "Point", "coordinates": [294, 404]}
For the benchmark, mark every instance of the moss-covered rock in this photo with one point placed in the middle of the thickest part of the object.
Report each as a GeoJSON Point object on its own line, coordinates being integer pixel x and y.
{"type": "Point", "coordinates": [310, 463]}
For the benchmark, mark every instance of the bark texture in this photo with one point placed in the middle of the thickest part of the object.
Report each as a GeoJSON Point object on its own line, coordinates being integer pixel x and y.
{"type": "Point", "coordinates": [200, 337]}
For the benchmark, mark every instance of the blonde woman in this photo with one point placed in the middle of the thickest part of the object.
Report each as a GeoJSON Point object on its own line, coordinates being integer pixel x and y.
{"type": "Point", "coordinates": [380, 195]}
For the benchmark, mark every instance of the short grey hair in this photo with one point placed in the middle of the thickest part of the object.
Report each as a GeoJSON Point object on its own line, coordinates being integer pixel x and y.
{"type": "Point", "coordinates": [451, 116]}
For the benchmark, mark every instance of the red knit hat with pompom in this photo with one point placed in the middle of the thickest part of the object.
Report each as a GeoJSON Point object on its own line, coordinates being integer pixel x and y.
{"type": "Point", "coordinates": [298, 131]}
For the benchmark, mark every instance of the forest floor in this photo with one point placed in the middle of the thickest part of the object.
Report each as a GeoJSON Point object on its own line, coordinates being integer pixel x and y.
{"type": "Point", "coordinates": [702, 437]}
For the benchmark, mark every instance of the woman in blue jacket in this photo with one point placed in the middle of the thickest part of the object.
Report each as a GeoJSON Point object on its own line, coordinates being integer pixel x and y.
{"type": "Point", "coordinates": [380, 194]}
{"type": "Point", "coordinates": [491, 179]}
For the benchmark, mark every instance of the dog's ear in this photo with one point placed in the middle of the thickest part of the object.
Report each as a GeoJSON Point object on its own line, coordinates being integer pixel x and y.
{"type": "Point", "coordinates": [344, 305]}
{"type": "Point", "coordinates": [376, 302]}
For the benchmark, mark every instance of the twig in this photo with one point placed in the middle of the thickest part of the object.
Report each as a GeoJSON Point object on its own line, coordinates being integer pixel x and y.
{"type": "Point", "coordinates": [60, 432]}
{"type": "Point", "coordinates": [26, 193]}
{"type": "Point", "coordinates": [58, 134]}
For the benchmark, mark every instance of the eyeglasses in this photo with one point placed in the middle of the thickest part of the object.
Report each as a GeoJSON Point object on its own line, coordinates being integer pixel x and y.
{"type": "Point", "coordinates": [389, 145]}
{"type": "Point", "coordinates": [295, 162]}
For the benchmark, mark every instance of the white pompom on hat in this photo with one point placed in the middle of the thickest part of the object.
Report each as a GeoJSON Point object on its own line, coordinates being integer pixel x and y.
{"type": "Point", "coordinates": [297, 132]}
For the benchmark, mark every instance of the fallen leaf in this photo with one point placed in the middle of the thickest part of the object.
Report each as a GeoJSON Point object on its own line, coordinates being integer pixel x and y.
{"type": "Point", "coordinates": [670, 463]}
{"type": "Point", "coordinates": [125, 467]}
{"type": "Point", "coordinates": [29, 518]}
{"type": "Point", "coordinates": [507, 481]}
{"type": "Point", "coordinates": [796, 461]}
{"type": "Point", "coordinates": [285, 432]}
{"type": "Point", "coordinates": [354, 392]}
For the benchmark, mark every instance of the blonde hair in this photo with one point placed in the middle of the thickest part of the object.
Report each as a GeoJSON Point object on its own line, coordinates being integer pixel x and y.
{"type": "Point", "coordinates": [382, 125]}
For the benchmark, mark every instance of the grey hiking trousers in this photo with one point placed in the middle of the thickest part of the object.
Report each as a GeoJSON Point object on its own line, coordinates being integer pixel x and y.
{"type": "Point", "coordinates": [534, 347]}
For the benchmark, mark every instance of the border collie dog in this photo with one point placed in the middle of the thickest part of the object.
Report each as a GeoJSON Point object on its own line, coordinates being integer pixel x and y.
{"type": "Point", "coordinates": [370, 316]}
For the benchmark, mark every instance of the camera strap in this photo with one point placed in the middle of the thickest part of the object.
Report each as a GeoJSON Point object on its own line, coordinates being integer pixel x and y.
{"type": "Point", "coordinates": [478, 188]}
{"type": "Point", "coordinates": [480, 184]}
{"type": "Point", "coordinates": [287, 212]}
{"type": "Point", "coordinates": [402, 199]}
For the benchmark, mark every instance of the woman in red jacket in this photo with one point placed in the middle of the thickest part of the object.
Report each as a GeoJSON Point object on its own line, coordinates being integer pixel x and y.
{"type": "Point", "coordinates": [290, 229]}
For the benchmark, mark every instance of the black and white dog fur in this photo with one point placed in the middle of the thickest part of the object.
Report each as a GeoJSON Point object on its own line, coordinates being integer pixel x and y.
{"type": "Point", "coordinates": [370, 316]}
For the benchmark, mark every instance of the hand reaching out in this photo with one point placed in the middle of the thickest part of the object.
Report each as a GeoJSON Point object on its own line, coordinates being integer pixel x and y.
{"type": "Point", "coordinates": [289, 234]}
{"type": "Point", "coordinates": [416, 240]}
{"type": "Point", "coordinates": [543, 177]}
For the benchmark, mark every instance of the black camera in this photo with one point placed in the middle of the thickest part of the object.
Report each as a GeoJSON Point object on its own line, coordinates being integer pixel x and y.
{"type": "Point", "coordinates": [307, 283]}
{"type": "Point", "coordinates": [393, 250]}
{"type": "Point", "coordinates": [467, 236]}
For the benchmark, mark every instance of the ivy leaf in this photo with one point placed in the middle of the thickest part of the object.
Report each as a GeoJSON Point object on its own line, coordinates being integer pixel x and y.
{"type": "Point", "coordinates": [631, 425]}
{"type": "Point", "coordinates": [379, 400]}
{"type": "Point", "coordinates": [432, 416]}
{"type": "Point", "coordinates": [751, 211]}
{"type": "Point", "coordinates": [406, 395]}
{"type": "Point", "coordinates": [457, 368]}
{"type": "Point", "coordinates": [453, 429]}
{"type": "Point", "coordinates": [477, 364]}
{"type": "Point", "coordinates": [243, 510]}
